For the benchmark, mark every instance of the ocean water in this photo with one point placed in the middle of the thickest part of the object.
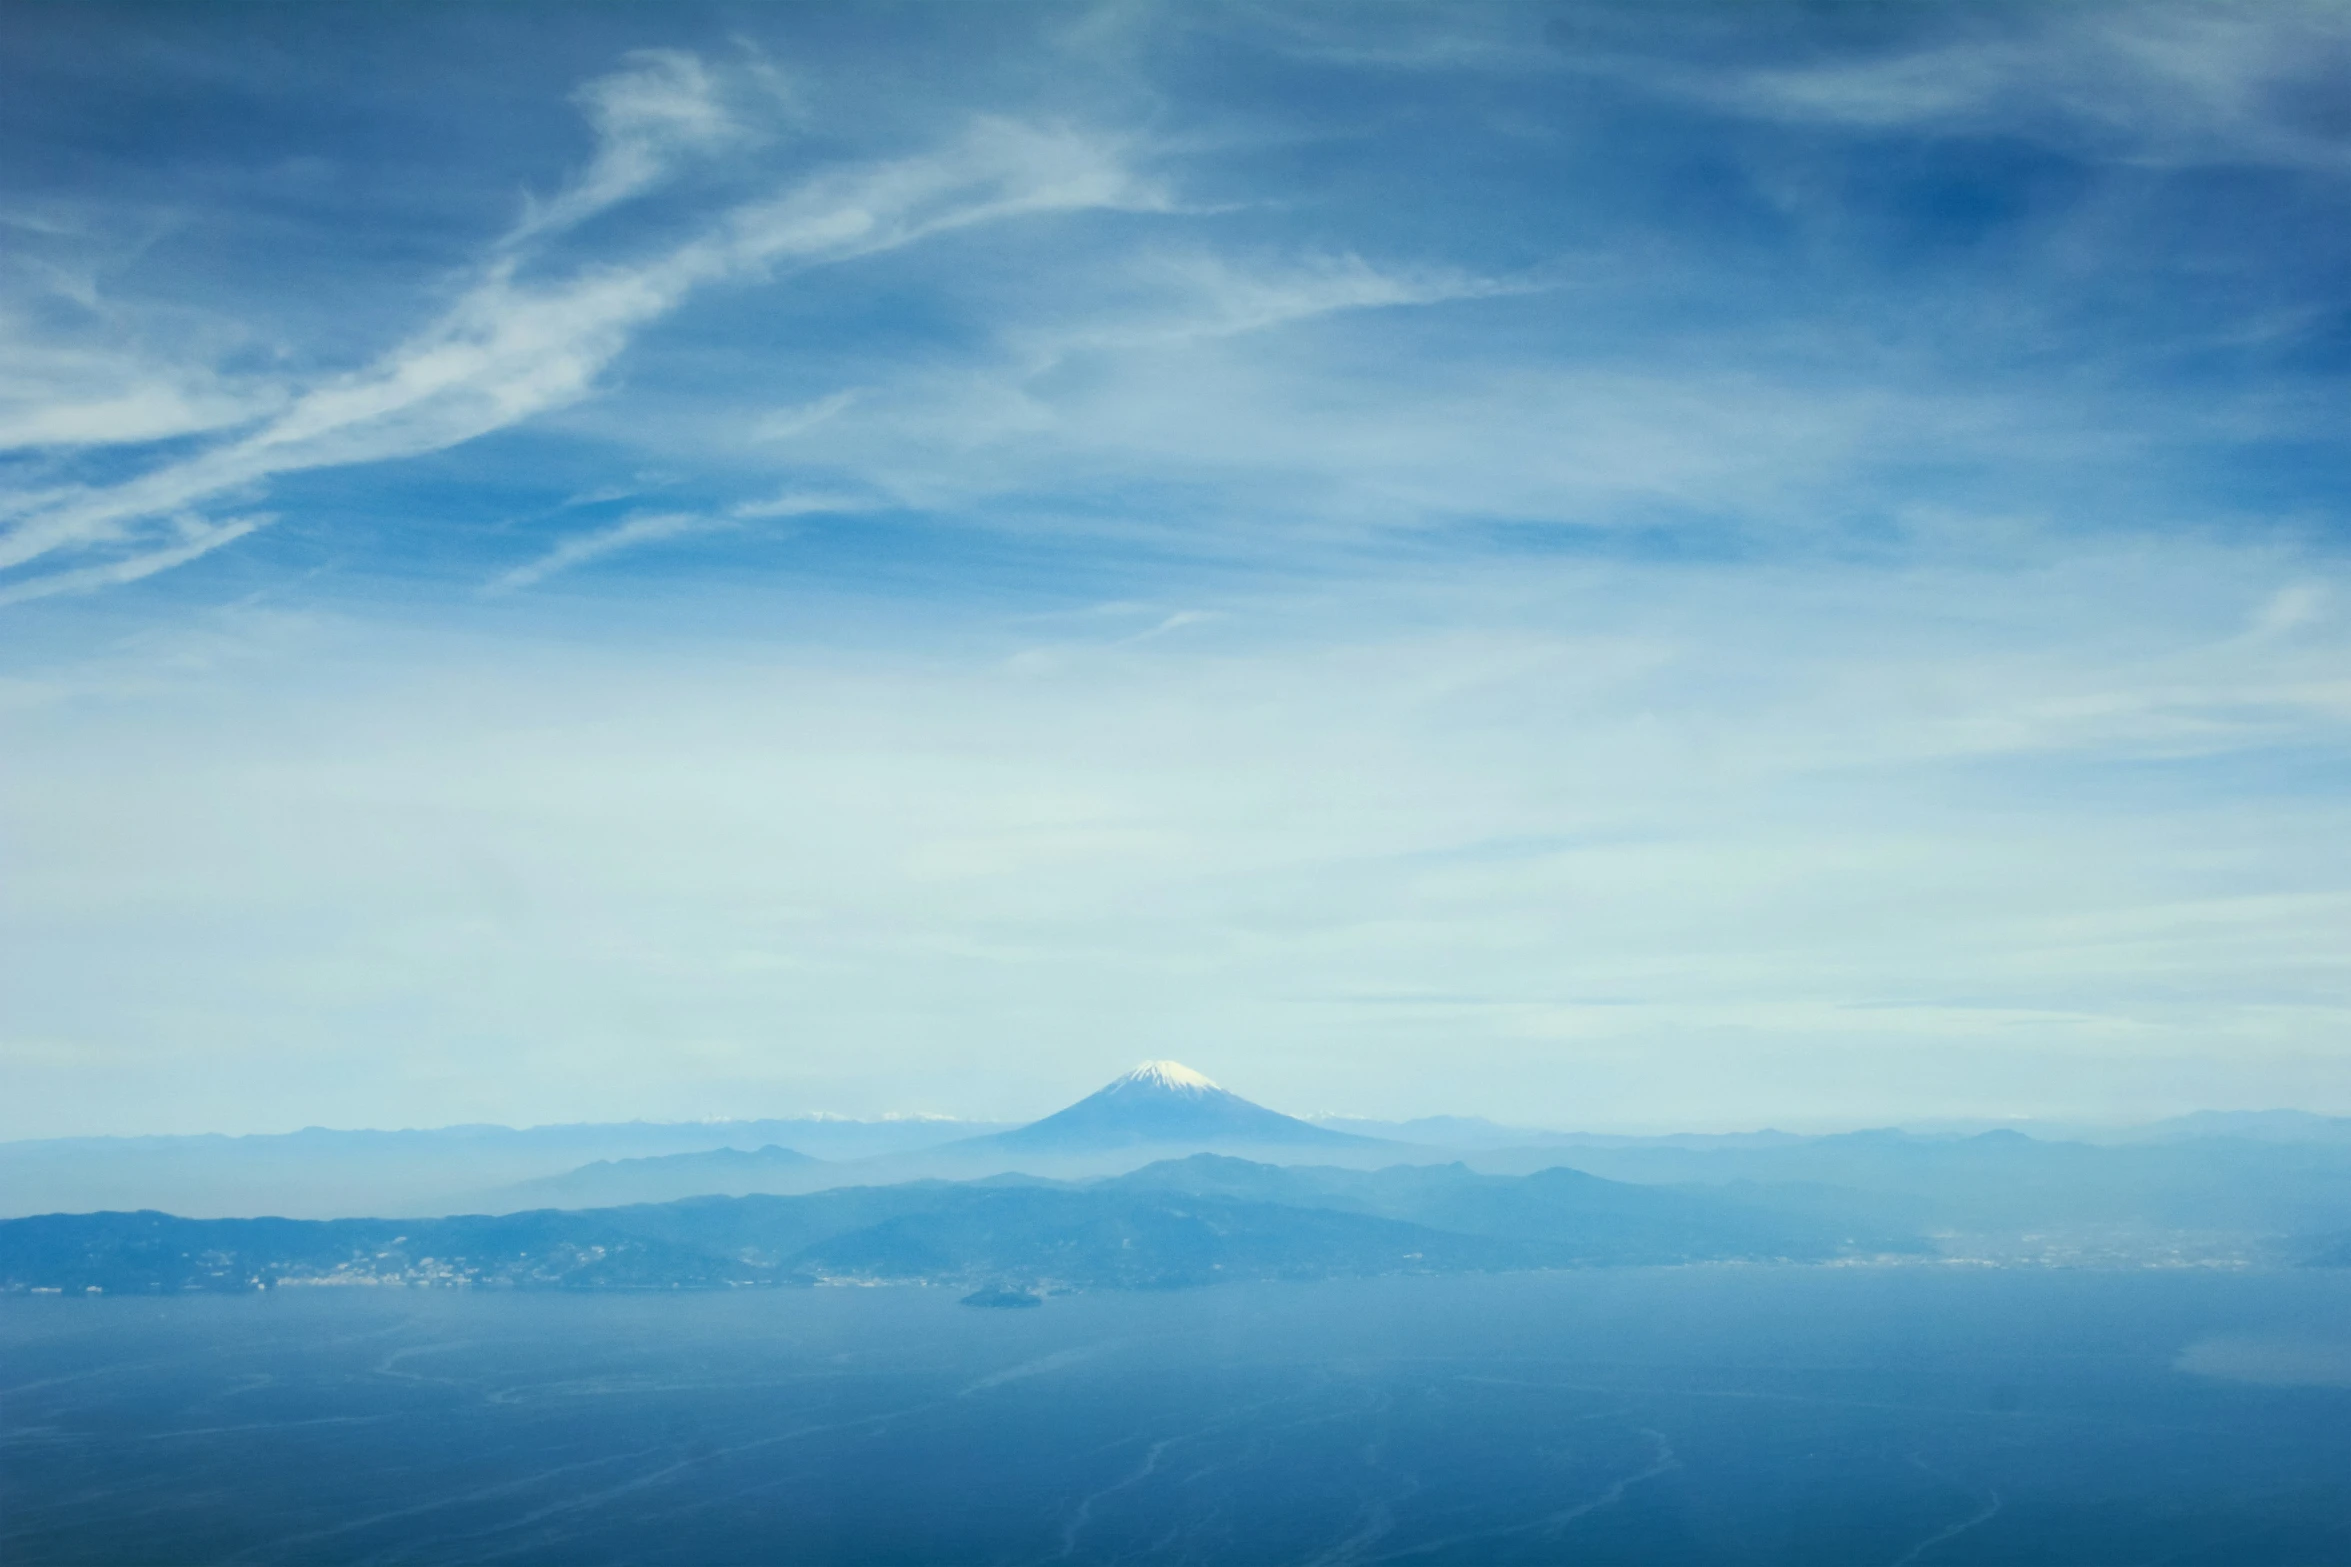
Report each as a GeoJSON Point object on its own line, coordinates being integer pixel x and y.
{"type": "Point", "coordinates": [1701, 1415]}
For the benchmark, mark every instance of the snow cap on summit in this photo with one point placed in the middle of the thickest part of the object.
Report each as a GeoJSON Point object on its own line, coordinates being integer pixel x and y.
{"type": "Point", "coordinates": [1167, 1105]}
{"type": "Point", "coordinates": [1168, 1074]}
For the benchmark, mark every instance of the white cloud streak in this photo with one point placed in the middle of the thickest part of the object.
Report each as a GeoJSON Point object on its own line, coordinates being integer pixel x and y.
{"type": "Point", "coordinates": [579, 550]}
{"type": "Point", "coordinates": [1216, 297]}
{"type": "Point", "coordinates": [805, 503]}
{"type": "Point", "coordinates": [655, 528]}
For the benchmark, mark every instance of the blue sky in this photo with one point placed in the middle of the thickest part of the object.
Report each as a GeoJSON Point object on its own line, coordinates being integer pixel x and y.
{"type": "Point", "coordinates": [1615, 566]}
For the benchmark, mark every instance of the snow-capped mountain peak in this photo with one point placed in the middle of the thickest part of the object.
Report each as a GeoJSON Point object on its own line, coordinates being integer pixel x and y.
{"type": "Point", "coordinates": [1173, 1076]}
{"type": "Point", "coordinates": [1168, 1104]}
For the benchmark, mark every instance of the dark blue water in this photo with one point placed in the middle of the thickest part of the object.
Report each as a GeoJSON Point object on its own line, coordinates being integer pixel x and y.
{"type": "Point", "coordinates": [1798, 1416]}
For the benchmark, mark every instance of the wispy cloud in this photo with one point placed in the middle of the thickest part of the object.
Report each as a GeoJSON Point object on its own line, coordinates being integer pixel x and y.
{"type": "Point", "coordinates": [196, 537]}
{"type": "Point", "coordinates": [784, 423]}
{"type": "Point", "coordinates": [1213, 296]}
{"type": "Point", "coordinates": [513, 346]}
{"type": "Point", "coordinates": [1215, 371]}
{"type": "Point", "coordinates": [805, 503]}
{"type": "Point", "coordinates": [2184, 83]}
{"type": "Point", "coordinates": [80, 396]}
{"type": "Point", "coordinates": [585, 547]}
{"type": "Point", "coordinates": [663, 109]}
{"type": "Point", "coordinates": [2153, 83]}
{"type": "Point", "coordinates": [1176, 622]}
{"type": "Point", "coordinates": [80, 367]}
{"type": "Point", "coordinates": [659, 527]}
{"type": "Point", "coordinates": [1175, 366]}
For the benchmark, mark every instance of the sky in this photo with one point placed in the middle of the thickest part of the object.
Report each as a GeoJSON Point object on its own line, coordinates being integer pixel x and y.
{"type": "Point", "coordinates": [1680, 566]}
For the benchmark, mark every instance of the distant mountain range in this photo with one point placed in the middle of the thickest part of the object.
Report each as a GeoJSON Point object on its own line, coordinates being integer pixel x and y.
{"type": "Point", "coordinates": [2005, 1181]}
{"type": "Point", "coordinates": [1161, 1109]}
{"type": "Point", "coordinates": [2261, 1126]}
{"type": "Point", "coordinates": [2216, 1187]}
{"type": "Point", "coordinates": [1475, 1133]}
{"type": "Point", "coordinates": [1202, 1220]}
{"type": "Point", "coordinates": [1157, 1110]}
{"type": "Point", "coordinates": [322, 1172]}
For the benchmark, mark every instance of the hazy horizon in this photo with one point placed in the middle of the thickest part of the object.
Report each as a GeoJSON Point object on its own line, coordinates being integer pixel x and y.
{"type": "Point", "coordinates": [819, 1115]}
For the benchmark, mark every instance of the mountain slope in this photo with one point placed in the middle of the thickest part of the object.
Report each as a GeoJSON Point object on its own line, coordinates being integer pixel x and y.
{"type": "Point", "coordinates": [717, 1172]}
{"type": "Point", "coordinates": [1165, 1103]}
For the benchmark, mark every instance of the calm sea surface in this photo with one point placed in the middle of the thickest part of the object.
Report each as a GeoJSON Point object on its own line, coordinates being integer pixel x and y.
{"type": "Point", "coordinates": [1734, 1415]}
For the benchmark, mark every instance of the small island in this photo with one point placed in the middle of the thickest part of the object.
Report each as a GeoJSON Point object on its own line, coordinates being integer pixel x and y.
{"type": "Point", "coordinates": [1002, 1296]}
